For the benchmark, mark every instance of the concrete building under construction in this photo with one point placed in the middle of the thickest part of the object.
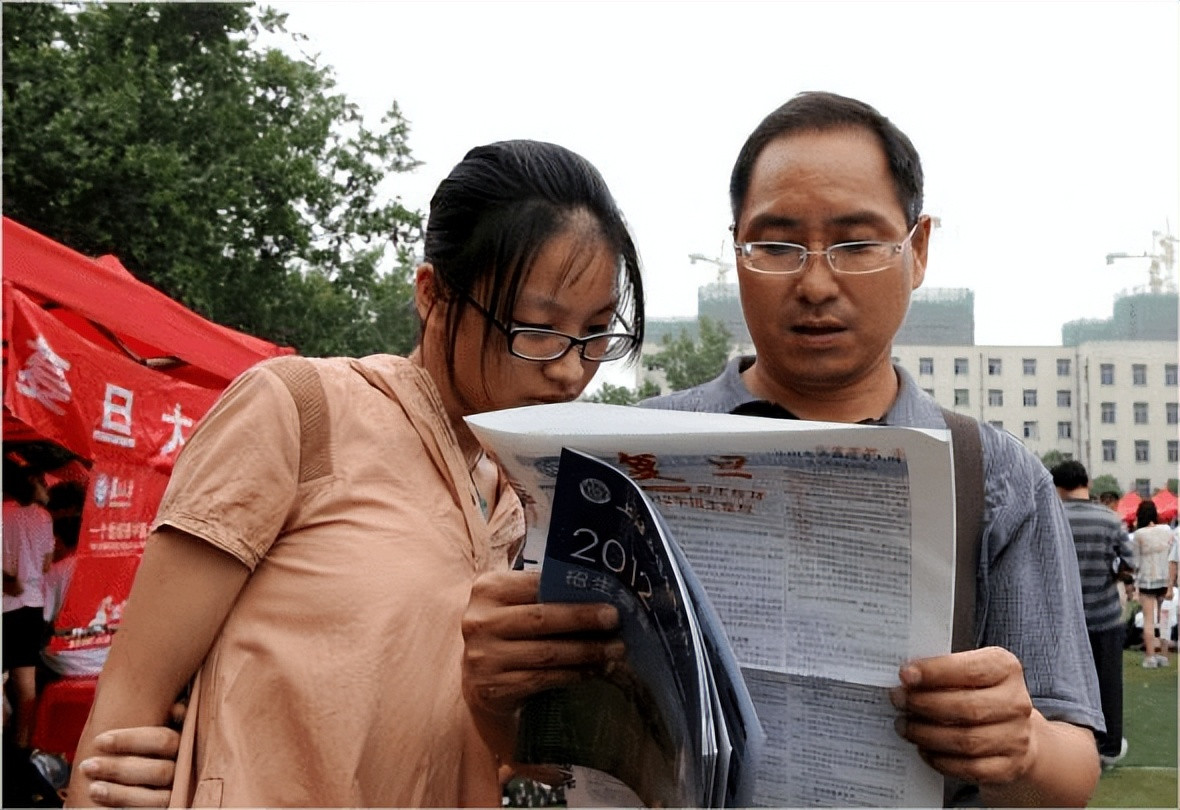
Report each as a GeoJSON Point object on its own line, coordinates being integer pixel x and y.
{"type": "Point", "coordinates": [939, 316]}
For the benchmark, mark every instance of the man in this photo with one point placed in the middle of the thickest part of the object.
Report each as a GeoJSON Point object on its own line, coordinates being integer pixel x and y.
{"type": "Point", "coordinates": [1098, 539]}
{"type": "Point", "coordinates": [1110, 500]}
{"type": "Point", "coordinates": [816, 173]}
{"type": "Point", "coordinates": [827, 198]}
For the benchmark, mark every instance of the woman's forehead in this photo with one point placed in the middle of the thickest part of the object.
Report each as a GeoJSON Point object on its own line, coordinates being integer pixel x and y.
{"type": "Point", "coordinates": [572, 259]}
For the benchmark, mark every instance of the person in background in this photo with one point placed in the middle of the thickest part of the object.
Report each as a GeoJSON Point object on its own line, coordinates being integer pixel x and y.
{"type": "Point", "coordinates": [1153, 543]}
{"type": "Point", "coordinates": [1173, 563]}
{"type": "Point", "coordinates": [66, 500]}
{"type": "Point", "coordinates": [325, 611]}
{"type": "Point", "coordinates": [28, 549]}
{"type": "Point", "coordinates": [830, 241]}
{"type": "Point", "coordinates": [1124, 574]}
{"type": "Point", "coordinates": [1099, 540]}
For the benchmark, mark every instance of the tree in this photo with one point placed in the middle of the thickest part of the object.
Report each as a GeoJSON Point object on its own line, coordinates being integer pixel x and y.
{"type": "Point", "coordinates": [1052, 459]}
{"type": "Point", "coordinates": [687, 362]}
{"type": "Point", "coordinates": [1105, 483]}
{"type": "Point", "coordinates": [223, 171]}
{"type": "Point", "coordinates": [621, 395]}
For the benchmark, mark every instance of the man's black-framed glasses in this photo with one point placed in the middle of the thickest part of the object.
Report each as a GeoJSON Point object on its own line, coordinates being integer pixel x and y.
{"type": "Point", "coordinates": [547, 345]}
{"type": "Point", "coordinates": [851, 258]}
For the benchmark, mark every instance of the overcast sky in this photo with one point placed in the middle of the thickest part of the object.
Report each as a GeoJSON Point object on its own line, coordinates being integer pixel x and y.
{"type": "Point", "coordinates": [1048, 130]}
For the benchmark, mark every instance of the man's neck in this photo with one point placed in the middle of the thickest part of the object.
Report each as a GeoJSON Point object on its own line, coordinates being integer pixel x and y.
{"type": "Point", "coordinates": [869, 398]}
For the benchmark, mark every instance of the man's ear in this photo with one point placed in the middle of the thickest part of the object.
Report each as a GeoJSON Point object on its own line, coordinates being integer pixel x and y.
{"type": "Point", "coordinates": [425, 290]}
{"type": "Point", "coordinates": [919, 245]}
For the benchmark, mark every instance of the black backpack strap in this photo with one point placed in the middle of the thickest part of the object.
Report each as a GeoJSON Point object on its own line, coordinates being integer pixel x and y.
{"type": "Point", "coordinates": [303, 383]}
{"type": "Point", "coordinates": [968, 524]}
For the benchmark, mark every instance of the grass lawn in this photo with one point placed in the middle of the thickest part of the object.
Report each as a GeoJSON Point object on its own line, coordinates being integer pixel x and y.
{"type": "Point", "coordinates": [1147, 776]}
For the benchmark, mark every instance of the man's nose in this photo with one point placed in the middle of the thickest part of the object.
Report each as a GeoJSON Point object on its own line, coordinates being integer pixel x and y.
{"type": "Point", "coordinates": [816, 280]}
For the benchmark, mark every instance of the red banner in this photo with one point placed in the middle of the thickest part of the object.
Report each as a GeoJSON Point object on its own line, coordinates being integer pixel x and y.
{"type": "Point", "coordinates": [131, 420]}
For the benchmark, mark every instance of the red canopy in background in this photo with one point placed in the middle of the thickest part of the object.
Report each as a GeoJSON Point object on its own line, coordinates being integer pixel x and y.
{"type": "Point", "coordinates": [103, 302]}
{"type": "Point", "coordinates": [119, 374]}
{"type": "Point", "coordinates": [1127, 506]}
{"type": "Point", "coordinates": [1165, 505]}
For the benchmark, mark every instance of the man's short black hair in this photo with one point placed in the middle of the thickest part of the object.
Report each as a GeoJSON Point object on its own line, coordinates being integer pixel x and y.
{"type": "Point", "coordinates": [1069, 475]}
{"type": "Point", "coordinates": [816, 111]}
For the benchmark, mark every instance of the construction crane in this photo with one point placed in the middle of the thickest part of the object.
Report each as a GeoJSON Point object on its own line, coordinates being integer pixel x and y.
{"type": "Point", "coordinates": [1163, 261]}
{"type": "Point", "coordinates": [723, 266]}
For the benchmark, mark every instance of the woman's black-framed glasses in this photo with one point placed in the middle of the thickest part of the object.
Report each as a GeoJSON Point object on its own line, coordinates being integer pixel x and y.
{"type": "Point", "coordinates": [547, 345]}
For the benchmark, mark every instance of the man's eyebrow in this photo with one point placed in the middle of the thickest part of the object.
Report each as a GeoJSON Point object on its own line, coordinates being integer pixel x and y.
{"type": "Point", "coordinates": [859, 218]}
{"type": "Point", "coordinates": [770, 220]}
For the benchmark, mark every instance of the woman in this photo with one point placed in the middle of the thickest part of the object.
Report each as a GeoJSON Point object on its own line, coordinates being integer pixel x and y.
{"type": "Point", "coordinates": [1152, 544]}
{"type": "Point", "coordinates": [28, 550]}
{"type": "Point", "coordinates": [322, 602]}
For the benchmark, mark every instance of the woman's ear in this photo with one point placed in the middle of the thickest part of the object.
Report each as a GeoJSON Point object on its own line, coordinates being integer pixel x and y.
{"type": "Point", "coordinates": [425, 290]}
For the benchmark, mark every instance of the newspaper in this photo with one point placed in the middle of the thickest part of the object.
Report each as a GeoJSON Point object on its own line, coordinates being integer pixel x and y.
{"type": "Point", "coordinates": [827, 551]}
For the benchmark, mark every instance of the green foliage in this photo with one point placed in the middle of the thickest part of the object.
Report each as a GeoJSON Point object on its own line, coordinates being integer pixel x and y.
{"type": "Point", "coordinates": [1172, 484]}
{"type": "Point", "coordinates": [216, 168]}
{"type": "Point", "coordinates": [1102, 484]}
{"type": "Point", "coordinates": [1052, 459]}
{"type": "Point", "coordinates": [620, 395]}
{"type": "Point", "coordinates": [686, 362]}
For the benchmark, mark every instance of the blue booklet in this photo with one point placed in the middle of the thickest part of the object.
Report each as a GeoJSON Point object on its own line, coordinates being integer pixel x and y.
{"type": "Point", "coordinates": [674, 721]}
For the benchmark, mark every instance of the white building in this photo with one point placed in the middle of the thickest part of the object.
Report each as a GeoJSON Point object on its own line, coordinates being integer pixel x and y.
{"type": "Point", "coordinates": [1110, 404]}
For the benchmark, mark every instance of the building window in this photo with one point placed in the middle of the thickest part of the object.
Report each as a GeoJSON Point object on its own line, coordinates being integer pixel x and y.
{"type": "Point", "coordinates": [1106, 373]}
{"type": "Point", "coordinates": [1109, 448]}
{"type": "Point", "coordinates": [1173, 453]}
{"type": "Point", "coordinates": [1138, 374]}
{"type": "Point", "coordinates": [1063, 367]}
{"type": "Point", "coordinates": [1141, 450]}
{"type": "Point", "coordinates": [1030, 397]}
{"type": "Point", "coordinates": [1170, 411]}
{"type": "Point", "coordinates": [995, 396]}
{"type": "Point", "coordinates": [1143, 487]}
{"type": "Point", "coordinates": [998, 424]}
{"type": "Point", "coordinates": [1064, 399]}
{"type": "Point", "coordinates": [1108, 413]}
{"type": "Point", "coordinates": [1140, 413]}
{"type": "Point", "coordinates": [1065, 430]}
{"type": "Point", "coordinates": [961, 368]}
{"type": "Point", "coordinates": [961, 397]}
{"type": "Point", "coordinates": [928, 392]}
{"type": "Point", "coordinates": [1030, 366]}
{"type": "Point", "coordinates": [995, 366]}
{"type": "Point", "coordinates": [1169, 374]}
{"type": "Point", "coordinates": [1031, 431]}
{"type": "Point", "coordinates": [925, 365]}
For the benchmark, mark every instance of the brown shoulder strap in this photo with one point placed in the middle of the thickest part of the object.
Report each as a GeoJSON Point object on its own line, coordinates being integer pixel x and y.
{"type": "Point", "coordinates": [302, 381]}
{"type": "Point", "coordinates": [968, 527]}
{"type": "Point", "coordinates": [968, 524]}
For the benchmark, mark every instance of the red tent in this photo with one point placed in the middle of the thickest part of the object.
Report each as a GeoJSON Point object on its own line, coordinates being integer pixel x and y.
{"type": "Point", "coordinates": [118, 373]}
{"type": "Point", "coordinates": [1127, 506]}
{"type": "Point", "coordinates": [1165, 504]}
{"type": "Point", "coordinates": [1164, 500]}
